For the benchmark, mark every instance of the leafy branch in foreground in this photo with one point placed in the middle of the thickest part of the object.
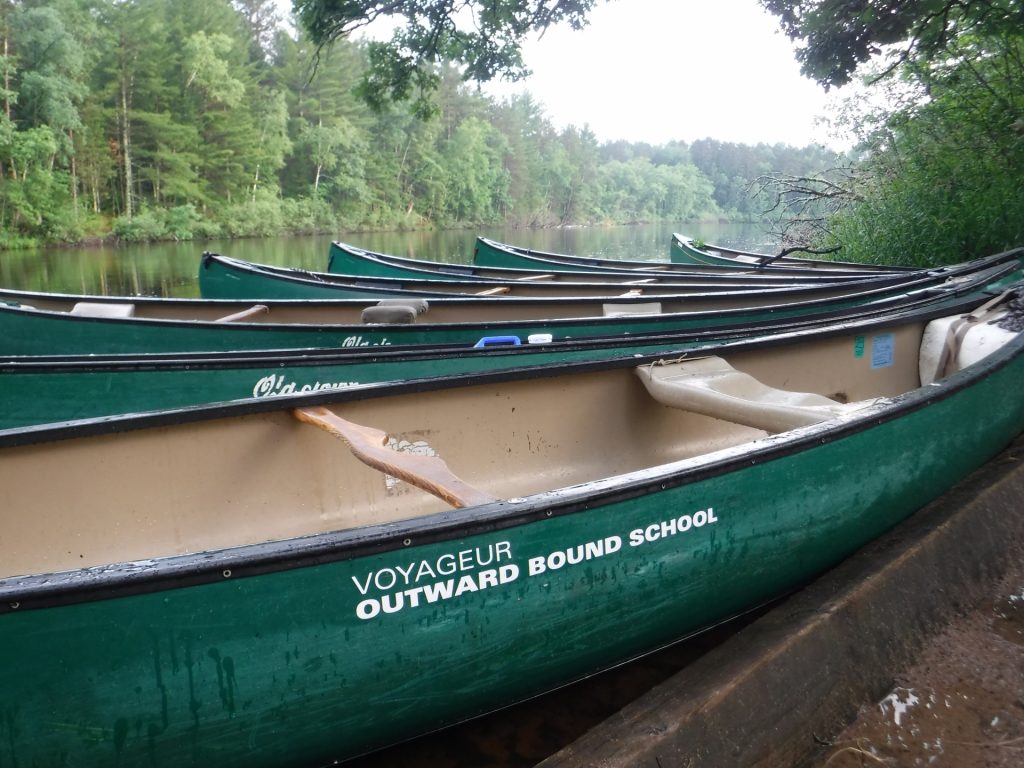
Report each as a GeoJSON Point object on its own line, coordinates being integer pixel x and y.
{"type": "Point", "coordinates": [834, 37]}
{"type": "Point", "coordinates": [483, 38]}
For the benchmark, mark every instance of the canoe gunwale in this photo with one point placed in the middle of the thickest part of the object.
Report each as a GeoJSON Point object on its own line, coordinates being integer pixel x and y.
{"type": "Point", "coordinates": [89, 427]}
{"type": "Point", "coordinates": [933, 302]}
{"type": "Point", "coordinates": [710, 262]}
{"type": "Point", "coordinates": [13, 295]}
{"type": "Point", "coordinates": [39, 591]}
{"type": "Point", "coordinates": [1001, 265]}
{"type": "Point", "coordinates": [766, 261]}
{"type": "Point", "coordinates": [342, 257]}
{"type": "Point", "coordinates": [316, 280]}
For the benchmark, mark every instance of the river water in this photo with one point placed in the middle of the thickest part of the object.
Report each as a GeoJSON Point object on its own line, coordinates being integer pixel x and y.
{"type": "Point", "coordinates": [169, 269]}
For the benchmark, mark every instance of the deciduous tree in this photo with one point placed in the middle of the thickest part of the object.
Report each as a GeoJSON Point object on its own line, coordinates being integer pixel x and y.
{"type": "Point", "coordinates": [483, 37]}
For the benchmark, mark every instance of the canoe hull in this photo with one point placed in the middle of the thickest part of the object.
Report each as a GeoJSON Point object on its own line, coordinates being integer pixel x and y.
{"type": "Point", "coordinates": [39, 393]}
{"type": "Point", "coordinates": [45, 324]}
{"type": "Point", "coordinates": [40, 390]}
{"type": "Point", "coordinates": [225, 278]}
{"type": "Point", "coordinates": [349, 260]}
{"type": "Point", "coordinates": [682, 257]}
{"type": "Point", "coordinates": [683, 250]}
{"type": "Point", "coordinates": [326, 649]}
{"type": "Point", "coordinates": [55, 333]}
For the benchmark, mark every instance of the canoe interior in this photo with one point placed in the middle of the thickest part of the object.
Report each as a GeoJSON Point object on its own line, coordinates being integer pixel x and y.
{"type": "Point", "coordinates": [220, 483]}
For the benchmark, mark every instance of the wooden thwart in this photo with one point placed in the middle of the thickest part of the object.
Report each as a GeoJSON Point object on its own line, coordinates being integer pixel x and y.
{"type": "Point", "coordinates": [245, 314]}
{"type": "Point", "coordinates": [501, 289]}
{"type": "Point", "coordinates": [368, 444]}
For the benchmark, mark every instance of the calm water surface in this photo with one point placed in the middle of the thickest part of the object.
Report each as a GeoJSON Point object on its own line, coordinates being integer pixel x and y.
{"type": "Point", "coordinates": [169, 269]}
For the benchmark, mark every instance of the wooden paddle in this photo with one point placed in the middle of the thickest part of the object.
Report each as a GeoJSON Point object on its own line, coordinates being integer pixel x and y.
{"type": "Point", "coordinates": [428, 473]}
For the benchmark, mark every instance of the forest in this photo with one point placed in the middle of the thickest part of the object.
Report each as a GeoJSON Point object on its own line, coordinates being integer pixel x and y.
{"type": "Point", "coordinates": [178, 119]}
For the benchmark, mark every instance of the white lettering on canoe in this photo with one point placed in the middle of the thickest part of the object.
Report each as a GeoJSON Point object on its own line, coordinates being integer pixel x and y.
{"type": "Point", "coordinates": [359, 341]}
{"type": "Point", "coordinates": [273, 385]}
{"type": "Point", "coordinates": [666, 528]}
{"type": "Point", "coordinates": [574, 555]}
{"type": "Point", "coordinates": [448, 564]}
{"type": "Point", "coordinates": [372, 607]}
{"type": "Point", "coordinates": [450, 575]}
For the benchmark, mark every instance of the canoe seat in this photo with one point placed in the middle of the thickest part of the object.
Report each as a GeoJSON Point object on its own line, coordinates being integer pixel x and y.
{"type": "Point", "coordinates": [103, 309]}
{"type": "Point", "coordinates": [498, 290]}
{"type": "Point", "coordinates": [394, 311]}
{"type": "Point", "coordinates": [618, 310]}
{"type": "Point", "coordinates": [712, 387]}
{"type": "Point", "coordinates": [950, 344]}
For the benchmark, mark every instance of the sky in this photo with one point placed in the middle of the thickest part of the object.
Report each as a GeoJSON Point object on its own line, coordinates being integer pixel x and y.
{"type": "Point", "coordinates": [662, 70]}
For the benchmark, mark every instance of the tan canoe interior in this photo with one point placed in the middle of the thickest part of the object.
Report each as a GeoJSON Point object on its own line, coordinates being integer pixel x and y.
{"type": "Point", "coordinates": [221, 483]}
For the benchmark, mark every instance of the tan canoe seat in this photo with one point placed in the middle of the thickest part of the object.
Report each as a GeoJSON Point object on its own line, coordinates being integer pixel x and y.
{"type": "Point", "coordinates": [712, 387]}
{"type": "Point", "coordinates": [103, 309]}
{"type": "Point", "coordinates": [395, 311]}
{"type": "Point", "coordinates": [619, 310]}
{"type": "Point", "coordinates": [499, 290]}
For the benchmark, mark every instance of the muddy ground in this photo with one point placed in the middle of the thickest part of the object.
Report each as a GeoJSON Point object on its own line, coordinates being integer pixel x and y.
{"type": "Point", "coordinates": [960, 706]}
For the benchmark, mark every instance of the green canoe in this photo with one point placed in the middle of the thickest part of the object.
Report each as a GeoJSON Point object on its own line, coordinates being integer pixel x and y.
{"type": "Point", "coordinates": [231, 586]}
{"type": "Point", "coordinates": [223, 277]}
{"type": "Point", "coordinates": [39, 390]}
{"type": "Point", "coordinates": [685, 250]}
{"type": "Point", "coordinates": [493, 254]}
{"type": "Point", "coordinates": [48, 324]}
{"type": "Point", "coordinates": [349, 260]}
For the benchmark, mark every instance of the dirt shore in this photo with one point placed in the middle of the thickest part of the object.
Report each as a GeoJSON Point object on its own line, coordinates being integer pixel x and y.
{"type": "Point", "coordinates": [961, 705]}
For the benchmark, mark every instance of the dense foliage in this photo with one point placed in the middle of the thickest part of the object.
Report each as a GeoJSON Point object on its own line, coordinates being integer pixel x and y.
{"type": "Point", "coordinates": [189, 118]}
{"type": "Point", "coordinates": [942, 158]}
{"type": "Point", "coordinates": [483, 38]}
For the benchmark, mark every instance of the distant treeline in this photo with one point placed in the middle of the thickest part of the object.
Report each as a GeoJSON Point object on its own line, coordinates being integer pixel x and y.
{"type": "Point", "coordinates": [158, 119]}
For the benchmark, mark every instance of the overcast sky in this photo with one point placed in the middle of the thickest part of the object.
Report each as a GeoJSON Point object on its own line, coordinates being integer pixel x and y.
{"type": "Point", "coordinates": [658, 70]}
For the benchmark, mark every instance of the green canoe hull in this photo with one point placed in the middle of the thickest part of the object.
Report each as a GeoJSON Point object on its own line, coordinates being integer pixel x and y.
{"type": "Point", "coordinates": [48, 333]}
{"type": "Point", "coordinates": [223, 277]}
{"type": "Point", "coordinates": [683, 250]}
{"type": "Point", "coordinates": [40, 331]}
{"type": "Point", "coordinates": [75, 388]}
{"type": "Point", "coordinates": [45, 390]}
{"type": "Point", "coordinates": [494, 254]}
{"type": "Point", "coordinates": [317, 650]}
{"type": "Point", "coordinates": [346, 259]}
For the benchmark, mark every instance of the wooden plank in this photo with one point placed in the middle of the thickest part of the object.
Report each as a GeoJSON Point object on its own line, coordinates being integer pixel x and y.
{"type": "Point", "coordinates": [368, 444]}
{"type": "Point", "coordinates": [245, 314]}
